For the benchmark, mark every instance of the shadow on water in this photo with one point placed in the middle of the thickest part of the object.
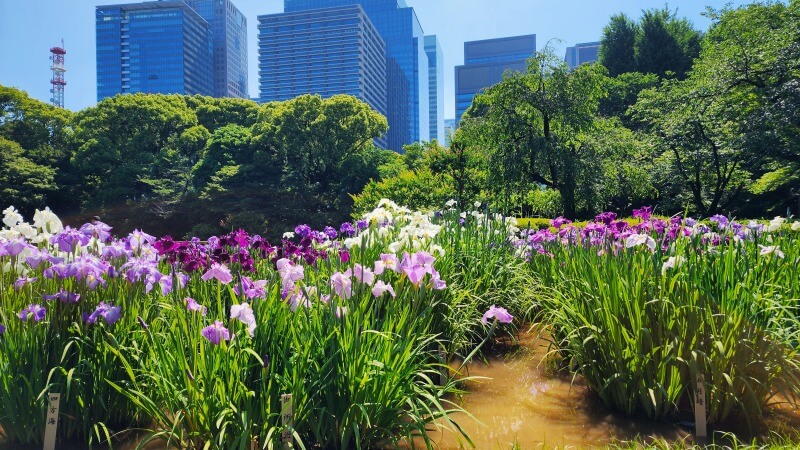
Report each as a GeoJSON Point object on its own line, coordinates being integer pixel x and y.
{"type": "Point", "coordinates": [521, 403]}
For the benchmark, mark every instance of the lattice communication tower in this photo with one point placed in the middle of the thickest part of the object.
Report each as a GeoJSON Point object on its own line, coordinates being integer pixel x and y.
{"type": "Point", "coordinates": [58, 69]}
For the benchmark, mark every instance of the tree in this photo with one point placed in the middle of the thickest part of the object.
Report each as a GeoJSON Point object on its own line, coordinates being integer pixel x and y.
{"type": "Point", "coordinates": [310, 138]}
{"type": "Point", "coordinates": [665, 43]}
{"type": "Point", "coordinates": [659, 43]}
{"type": "Point", "coordinates": [752, 57]}
{"type": "Point", "coordinates": [616, 45]}
{"type": "Point", "coordinates": [535, 126]}
{"type": "Point", "coordinates": [124, 147]}
{"type": "Point", "coordinates": [23, 183]}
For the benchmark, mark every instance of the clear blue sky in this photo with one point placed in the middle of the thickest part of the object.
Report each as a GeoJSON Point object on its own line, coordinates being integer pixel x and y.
{"type": "Point", "coordinates": [28, 28]}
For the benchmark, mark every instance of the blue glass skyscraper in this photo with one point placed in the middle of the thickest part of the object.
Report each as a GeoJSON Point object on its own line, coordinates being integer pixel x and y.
{"type": "Point", "coordinates": [484, 65]}
{"type": "Point", "coordinates": [172, 46]}
{"type": "Point", "coordinates": [229, 27]}
{"type": "Point", "coordinates": [583, 53]}
{"type": "Point", "coordinates": [402, 33]}
{"type": "Point", "coordinates": [435, 87]}
{"type": "Point", "coordinates": [156, 47]}
{"type": "Point", "coordinates": [323, 51]}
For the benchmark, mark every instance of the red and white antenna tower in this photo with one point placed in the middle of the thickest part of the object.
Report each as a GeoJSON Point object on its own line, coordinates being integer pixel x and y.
{"type": "Point", "coordinates": [57, 66]}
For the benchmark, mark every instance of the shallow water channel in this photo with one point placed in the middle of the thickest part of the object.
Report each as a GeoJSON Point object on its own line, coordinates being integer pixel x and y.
{"type": "Point", "coordinates": [520, 403]}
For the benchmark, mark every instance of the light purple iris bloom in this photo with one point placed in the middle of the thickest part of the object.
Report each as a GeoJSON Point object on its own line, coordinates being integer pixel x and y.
{"type": "Point", "coordinates": [111, 314]}
{"type": "Point", "coordinates": [97, 229]}
{"type": "Point", "coordinates": [35, 312]}
{"type": "Point", "coordinates": [216, 333]}
{"type": "Point", "coordinates": [342, 284]}
{"type": "Point", "coordinates": [16, 246]}
{"type": "Point", "coordinates": [416, 266]}
{"type": "Point", "coordinates": [192, 305]}
{"type": "Point", "coordinates": [69, 239]}
{"type": "Point", "coordinates": [499, 313]}
{"type": "Point", "coordinates": [363, 274]}
{"type": "Point", "coordinates": [63, 296]}
{"type": "Point", "coordinates": [22, 281]}
{"type": "Point", "coordinates": [251, 289]}
{"type": "Point", "coordinates": [381, 288]}
{"type": "Point", "coordinates": [244, 313]}
{"type": "Point", "coordinates": [219, 272]}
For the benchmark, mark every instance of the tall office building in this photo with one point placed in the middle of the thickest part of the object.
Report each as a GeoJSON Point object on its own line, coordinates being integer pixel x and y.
{"type": "Point", "coordinates": [449, 129]}
{"type": "Point", "coordinates": [586, 52]}
{"type": "Point", "coordinates": [435, 87]}
{"type": "Point", "coordinates": [405, 47]}
{"type": "Point", "coordinates": [156, 47]}
{"type": "Point", "coordinates": [324, 51]}
{"type": "Point", "coordinates": [229, 27]}
{"type": "Point", "coordinates": [171, 47]}
{"type": "Point", "coordinates": [484, 65]}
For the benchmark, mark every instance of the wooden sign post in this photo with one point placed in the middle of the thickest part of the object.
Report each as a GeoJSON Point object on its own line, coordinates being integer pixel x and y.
{"type": "Point", "coordinates": [700, 408]}
{"type": "Point", "coordinates": [287, 420]}
{"type": "Point", "coordinates": [51, 424]}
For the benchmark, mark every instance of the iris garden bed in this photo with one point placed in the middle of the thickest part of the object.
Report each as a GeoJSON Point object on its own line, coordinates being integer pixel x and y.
{"type": "Point", "coordinates": [193, 343]}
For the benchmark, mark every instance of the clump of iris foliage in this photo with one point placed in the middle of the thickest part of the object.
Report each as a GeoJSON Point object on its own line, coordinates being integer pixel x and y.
{"type": "Point", "coordinates": [641, 310]}
{"type": "Point", "coordinates": [195, 342]}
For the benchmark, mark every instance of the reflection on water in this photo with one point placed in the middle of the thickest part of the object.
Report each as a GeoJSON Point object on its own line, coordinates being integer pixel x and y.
{"type": "Point", "coordinates": [520, 403]}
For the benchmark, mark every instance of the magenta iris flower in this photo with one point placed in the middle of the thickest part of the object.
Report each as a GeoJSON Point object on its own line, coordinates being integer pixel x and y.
{"type": "Point", "coordinates": [499, 313]}
{"type": "Point", "coordinates": [216, 333]}
{"type": "Point", "coordinates": [35, 312]}
{"type": "Point", "coordinates": [220, 272]}
{"type": "Point", "coordinates": [192, 305]}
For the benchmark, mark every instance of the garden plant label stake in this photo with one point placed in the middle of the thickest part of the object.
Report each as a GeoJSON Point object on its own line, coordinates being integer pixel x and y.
{"type": "Point", "coordinates": [700, 408]}
{"type": "Point", "coordinates": [287, 420]}
{"type": "Point", "coordinates": [51, 424]}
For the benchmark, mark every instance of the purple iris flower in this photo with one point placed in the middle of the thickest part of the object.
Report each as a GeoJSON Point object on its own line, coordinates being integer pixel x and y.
{"type": "Point", "coordinates": [192, 305]}
{"type": "Point", "coordinates": [347, 229]}
{"type": "Point", "coordinates": [559, 222]}
{"type": "Point", "coordinates": [606, 217]}
{"type": "Point", "coordinates": [251, 289]}
{"type": "Point", "coordinates": [361, 224]}
{"type": "Point", "coordinates": [2, 329]}
{"type": "Point", "coordinates": [63, 296]}
{"type": "Point", "coordinates": [220, 272]}
{"type": "Point", "coordinates": [499, 313]}
{"type": "Point", "coordinates": [643, 213]}
{"type": "Point", "coordinates": [344, 255]}
{"type": "Point", "coordinates": [111, 314]}
{"type": "Point", "coordinates": [97, 229]}
{"type": "Point", "coordinates": [35, 312]}
{"type": "Point", "coordinates": [22, 281]}
{"type": "Point", "coordinates": [216, 333]}
{"type": "Point", "coordinates": [69, 238]}
{"type": "Point", "coordinates": [15, 247]}
{"type": "Point", "coordinates": [330, 232]}
{"type": "Point", "coordinates": [720, 220]}
{"type": "Point", "coordinates": [303, 231]}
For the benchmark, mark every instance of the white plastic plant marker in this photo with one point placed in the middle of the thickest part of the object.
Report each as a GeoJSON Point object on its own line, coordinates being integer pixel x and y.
{"type": "Point", "coordinates": [287, 420]}
{"type": "Point", "coordinates": [700, 408]}
{"type": "Point", "coordinates": [51, 424]}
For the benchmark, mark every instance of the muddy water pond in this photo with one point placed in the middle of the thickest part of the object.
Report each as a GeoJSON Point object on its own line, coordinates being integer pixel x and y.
{"type": "Point", "coordinates": [521, 403]}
